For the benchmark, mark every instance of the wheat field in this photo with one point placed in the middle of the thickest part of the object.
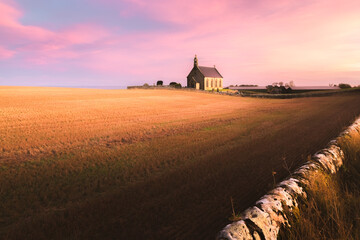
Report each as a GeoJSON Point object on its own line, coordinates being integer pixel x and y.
{"type": "Point", "coordinates": [148, 164]}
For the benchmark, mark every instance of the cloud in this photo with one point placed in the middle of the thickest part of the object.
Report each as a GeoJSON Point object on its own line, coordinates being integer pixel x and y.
{"type": "Point", "coordinates": [5, 53]}
{"type": "Point", "coordinates": [12, 30]}
{"type": "Point", "coordinates": [83, 34]}
{"type": "Point", "coordinates": [246, 39]}
{"type": "Point", "coordinates": [39, 46]}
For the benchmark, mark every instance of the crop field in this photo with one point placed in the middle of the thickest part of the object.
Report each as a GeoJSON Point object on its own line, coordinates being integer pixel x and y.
{"type": "Point", "coordinates": [148, 164]}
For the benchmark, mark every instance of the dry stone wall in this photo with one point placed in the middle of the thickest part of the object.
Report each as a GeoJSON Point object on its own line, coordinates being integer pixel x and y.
{"type": "Point", "coordinates": [263, 221]}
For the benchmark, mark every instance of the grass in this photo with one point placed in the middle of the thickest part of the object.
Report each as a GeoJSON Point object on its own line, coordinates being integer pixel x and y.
{"type": "Point", "coordinates": [332, 210]}
{"type": "Point", "coordinates": [222, 90]}
{"type": "Point", "coordinates": [299, 94]}
{"type": "Point", "coordinates": [87, 163]}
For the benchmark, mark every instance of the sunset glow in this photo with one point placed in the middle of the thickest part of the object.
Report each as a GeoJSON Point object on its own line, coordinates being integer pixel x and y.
{"type": "Point", "coordinates": [130, 42]}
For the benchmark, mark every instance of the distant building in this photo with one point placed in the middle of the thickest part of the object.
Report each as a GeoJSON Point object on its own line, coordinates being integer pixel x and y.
{"type": "Point", "coordinates": [204, 78]}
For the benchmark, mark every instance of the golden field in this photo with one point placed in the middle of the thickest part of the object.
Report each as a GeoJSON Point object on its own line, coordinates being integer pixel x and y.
{"type": "Point", "coordinates": [148, 164]}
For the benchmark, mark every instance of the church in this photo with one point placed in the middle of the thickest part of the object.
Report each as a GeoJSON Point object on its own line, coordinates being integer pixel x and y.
{"type": "Point", "coordinates": [204, 78]}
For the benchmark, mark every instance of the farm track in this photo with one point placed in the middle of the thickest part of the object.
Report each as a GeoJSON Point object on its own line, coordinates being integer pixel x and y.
{"type": "Point", "coordinates": [234, 156]}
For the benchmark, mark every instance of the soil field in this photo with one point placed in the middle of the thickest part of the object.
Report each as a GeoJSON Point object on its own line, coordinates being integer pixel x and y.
{"type": "Point", "coordinates": [148, 164]}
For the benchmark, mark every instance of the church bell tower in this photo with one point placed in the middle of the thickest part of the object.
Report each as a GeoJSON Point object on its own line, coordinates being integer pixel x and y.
{"type": "Point", "coordinates": [196, 62]}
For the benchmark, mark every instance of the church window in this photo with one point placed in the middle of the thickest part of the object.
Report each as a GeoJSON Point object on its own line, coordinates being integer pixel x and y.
{"type": "Point", "coordinates": [207, 83]}
{"type": "Point", "coordinates": [212, 83]}
{"type": "Point", "coordinates": [216, 83]}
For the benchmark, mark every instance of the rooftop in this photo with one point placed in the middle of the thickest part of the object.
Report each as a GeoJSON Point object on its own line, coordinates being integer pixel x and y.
{"type": "Point", "coordinates": [210, 72]}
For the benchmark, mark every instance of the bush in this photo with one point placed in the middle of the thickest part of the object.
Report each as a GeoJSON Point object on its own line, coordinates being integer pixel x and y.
{"type": "Point", "coordinates": [175, 85]}
{"type": "Point", "coordinates": [275, 89]}
{"type": "Point", "coordinates": [344, 85]}
{"type": "Point", "coordinates": [159, 83]}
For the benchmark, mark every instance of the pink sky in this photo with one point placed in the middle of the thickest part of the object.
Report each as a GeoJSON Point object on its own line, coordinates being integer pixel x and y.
{"type": "Point", "coordinates": [129, 42]}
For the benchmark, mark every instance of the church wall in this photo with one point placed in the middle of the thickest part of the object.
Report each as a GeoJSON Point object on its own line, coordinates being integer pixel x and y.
{"type": "Point", "coordinates": [213, 83]}
{"type": "Point", "coordinates": [198, 77]}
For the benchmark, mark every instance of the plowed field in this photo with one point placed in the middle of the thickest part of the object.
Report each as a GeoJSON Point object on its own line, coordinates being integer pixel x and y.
{"type": "Point", "coordinates": [148, 164]}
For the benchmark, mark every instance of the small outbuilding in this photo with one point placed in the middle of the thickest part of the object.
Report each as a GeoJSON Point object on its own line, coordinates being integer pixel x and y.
{"type": "Point", "coordinates": [204, 78]}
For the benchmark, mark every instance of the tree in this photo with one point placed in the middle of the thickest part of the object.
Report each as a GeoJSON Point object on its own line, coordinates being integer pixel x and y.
{"type": "Point", "coordinates": [159, 83]}
{"type": "Point", "coordinates": [175, 85]}
{"type": "Point", "coordinates": [276, 89]}
{"type": "Point", "coordinates": [344, 85]}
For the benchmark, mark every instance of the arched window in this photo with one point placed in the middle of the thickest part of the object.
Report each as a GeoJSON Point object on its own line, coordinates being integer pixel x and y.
{"type": "Point", "coordinates": [212, 82]}
{"type": "Point", "coordinates": [216, 83]}
{"type": "Point", "coordinates": [220, 83]}
{"type": "Point", "coordinates": [207, 83]}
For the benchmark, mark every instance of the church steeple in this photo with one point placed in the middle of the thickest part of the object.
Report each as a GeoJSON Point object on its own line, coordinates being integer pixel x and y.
{"type": "Point", "coordinates": [196, 61]}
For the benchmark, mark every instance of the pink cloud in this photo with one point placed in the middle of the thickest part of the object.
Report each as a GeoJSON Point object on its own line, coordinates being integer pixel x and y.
{"type": "Point", "coordinates": [246, 39]}
{"type": "Point", "coordinates": [84, 34]}
{"type": "Point", "coordinates": [8, 15]}
{"type": "Point", "coordinates": [181, 11]}
{"type": "Point", "coordinates": [40, 46]}
{"type": "Point", "coordinates": [12, 28]}
{"type": "Point", "coordinates": [5, 53]}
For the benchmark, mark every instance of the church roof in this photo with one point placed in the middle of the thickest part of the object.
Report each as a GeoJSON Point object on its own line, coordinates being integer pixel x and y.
{"type": "Point", "coordinates": [210, 72]}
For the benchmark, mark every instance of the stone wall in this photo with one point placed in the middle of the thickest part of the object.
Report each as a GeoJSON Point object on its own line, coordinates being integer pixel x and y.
{"type": "Point", "coordinates": [264, 219]}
